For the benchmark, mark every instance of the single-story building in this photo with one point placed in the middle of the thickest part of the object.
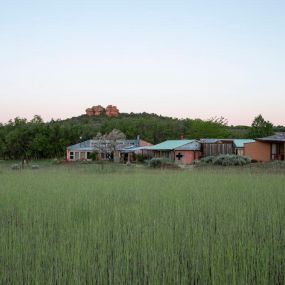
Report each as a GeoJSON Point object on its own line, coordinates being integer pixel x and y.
{"type": "Point", "coordinates": [266, 149]}
{"type": "Point", "coordinates": [105, 149]}
{"type": "Point", "coordinates": [213, 147]}
{"type": "Point", "coordinates": [239, 145]}
{"type": "Point", "coordinates": [179, 151]}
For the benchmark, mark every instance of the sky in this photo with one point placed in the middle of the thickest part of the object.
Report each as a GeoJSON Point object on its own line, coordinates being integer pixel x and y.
{"type": "Point", "coordinates": [194, 59]}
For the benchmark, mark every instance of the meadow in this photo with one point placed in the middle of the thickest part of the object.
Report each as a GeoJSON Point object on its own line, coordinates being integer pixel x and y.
{"type": "Point", "coordinates": [90, 224]}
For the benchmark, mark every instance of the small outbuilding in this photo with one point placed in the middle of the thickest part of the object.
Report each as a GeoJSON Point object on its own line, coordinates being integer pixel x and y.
{"type": "Point", "coordinates": [179, 151]}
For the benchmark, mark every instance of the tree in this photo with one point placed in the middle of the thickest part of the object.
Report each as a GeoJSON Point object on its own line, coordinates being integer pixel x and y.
{"type": "Point", "coordinates": [212, 128]}
{"type": "Point", "coordinates": [260, 128]}
{"type": "Point", "coordinates": [107, 144]}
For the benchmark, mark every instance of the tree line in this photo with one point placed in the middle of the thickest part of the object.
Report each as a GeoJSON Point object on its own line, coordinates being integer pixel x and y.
{"type": "Point", "coordinates": [35, 139]}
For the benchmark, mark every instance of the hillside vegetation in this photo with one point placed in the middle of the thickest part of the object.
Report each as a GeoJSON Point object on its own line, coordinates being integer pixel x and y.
{"type": "Point", "coordinates": [20, 138]}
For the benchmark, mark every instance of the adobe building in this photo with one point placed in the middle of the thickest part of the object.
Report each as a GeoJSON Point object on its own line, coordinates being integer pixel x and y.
{"type": "Point", "coordinates": [266, 149]}
{"type": "Point", "coordinates": [179, 151]}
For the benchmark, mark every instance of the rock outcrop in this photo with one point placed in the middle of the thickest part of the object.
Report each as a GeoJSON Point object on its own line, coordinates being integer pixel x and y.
{"type": "Point", "coordinates": [110, 111]}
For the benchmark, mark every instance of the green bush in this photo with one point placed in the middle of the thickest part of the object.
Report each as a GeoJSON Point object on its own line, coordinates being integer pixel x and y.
{"type": "Point", "coordinates": [35, 166]}
{"type": "Point", "coordinates": [16, 167]}
{"type": "Point", "coordinates": [160, 162]}
{"type": "Point", "coordinates": [93, 156]}
{"type": "Point", "coordinates": [276, 164]}
{"type": "Point", "coordinates": [140, 158]}
{"type": "Point", "coordinates": [225, 160]}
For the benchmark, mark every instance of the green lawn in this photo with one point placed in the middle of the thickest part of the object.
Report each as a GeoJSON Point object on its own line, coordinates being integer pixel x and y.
{"type": "Point", "coordinates": [119, 225]}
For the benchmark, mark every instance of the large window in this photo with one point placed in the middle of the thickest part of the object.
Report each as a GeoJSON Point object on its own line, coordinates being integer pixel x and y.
{"type": "Point", "coordinates": [277, 151]}
{"type": "Point", "coordinates": [71, 155]}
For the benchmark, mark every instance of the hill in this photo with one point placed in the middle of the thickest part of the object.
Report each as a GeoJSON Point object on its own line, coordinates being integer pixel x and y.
{"type": "Point", "coordinates": [20, 138]}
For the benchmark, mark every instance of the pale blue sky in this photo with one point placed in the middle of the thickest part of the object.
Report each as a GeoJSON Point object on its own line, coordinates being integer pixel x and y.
{"type": "Point", "coordinates": [175, 58]}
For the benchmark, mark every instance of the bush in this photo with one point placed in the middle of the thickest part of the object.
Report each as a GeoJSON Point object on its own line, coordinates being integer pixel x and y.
{"type": "Point", "coordinates": [140, 158]}
{"type": "Point", "coordinates": [160, 162]}
{"type": "Point", "coordinates": [93, 156]}
{"type": "Point", "coordinates": [35, 166]}
{"type": "Point", "coordinates": [207, 159]}
{"type": "Point", "coordinates": [276, 164]}
{"type": "Point", "coordinates": [225, 160]}
{"type": "Point", "coordinates": [16, 167]}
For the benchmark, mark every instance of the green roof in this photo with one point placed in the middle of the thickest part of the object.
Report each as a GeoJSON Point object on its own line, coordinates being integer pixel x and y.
{"type": "Point", "coordinates": [169, 145]}
{"type": "Point", "coordinates": [239, 143]}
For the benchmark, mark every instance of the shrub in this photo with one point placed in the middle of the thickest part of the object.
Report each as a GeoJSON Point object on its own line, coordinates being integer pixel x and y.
{"type": "Point", "coordinates": [158, 162]}
{"type": "Point", "coordinates": [35, 166]}
{"type": "Point", "coordinates": [140, 158]}
{"type": "Point", "coordinates": [15, 167]}
{"type": "Point", "coordinates": [93, 156]}
{"type": "Point", "coordinates": [276, 164]}
{"type": "Point", "coordinates": [207, 159]}
{"type": "Point", "coordinates": [225, 160]}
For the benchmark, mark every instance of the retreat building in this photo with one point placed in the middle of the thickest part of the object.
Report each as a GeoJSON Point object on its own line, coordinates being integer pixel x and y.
{"type": "Point", "coordinates": [104, 149]}
{"type": "Point", "coordinates": [178, 151]}
{"type": "Point", "coordinates": [266, 149]}
{"type": "Point", "coordinates": [213, 147]}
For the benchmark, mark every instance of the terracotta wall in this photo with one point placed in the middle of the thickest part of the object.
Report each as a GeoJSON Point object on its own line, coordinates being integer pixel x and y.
{"type": "Point", "coordinates": [258, 151]}
{"type": "Point", "coordinates": [188, 156]}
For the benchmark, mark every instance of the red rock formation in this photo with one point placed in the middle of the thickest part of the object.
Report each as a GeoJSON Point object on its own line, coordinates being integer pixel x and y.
{"type": "Point", "coordinates": [98, 110]}
{"type": "Point", "coordinates": [112, 111]}
{"type": "Point", "coordinates": [89, 112]}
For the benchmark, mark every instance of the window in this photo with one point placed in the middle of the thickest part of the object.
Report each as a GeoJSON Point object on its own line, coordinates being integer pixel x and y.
{"type": "Point", "coordinates": [71, 155]}
{"type": "Point", "coordinates": [88, 155]}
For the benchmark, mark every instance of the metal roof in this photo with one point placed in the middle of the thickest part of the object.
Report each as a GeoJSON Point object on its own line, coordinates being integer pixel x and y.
{"type": "Point", "coordinates": [215, 140]}
{"type": "Point", "coordinates": [91, 145]}
{"type": "Point", "coordinates": [278, 137]}
{"type": "Point", "coordinates": [83, 146]}
{"type": "Point", "coordinates": [194, 145]}
{"type": "Point", "coordinates": [239, 143]}
{"type": "Point", "coordinates": [169, 145]}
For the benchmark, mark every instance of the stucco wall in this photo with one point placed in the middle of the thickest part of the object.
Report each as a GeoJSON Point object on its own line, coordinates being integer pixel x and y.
{"type": "Point", "coordinates": [258, 151]}
{"type": "Point", "coordinates": [188, 156]}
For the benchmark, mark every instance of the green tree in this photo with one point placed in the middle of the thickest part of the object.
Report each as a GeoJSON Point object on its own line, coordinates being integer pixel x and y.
{"type": "Point", "coordinates": [260, 128]}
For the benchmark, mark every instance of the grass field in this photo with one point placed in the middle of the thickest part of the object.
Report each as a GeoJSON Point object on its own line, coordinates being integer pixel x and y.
{"type": "Point", "coordinates": [94, 225]}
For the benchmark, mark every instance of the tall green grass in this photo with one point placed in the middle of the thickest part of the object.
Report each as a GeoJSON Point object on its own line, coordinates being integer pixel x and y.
{"type": "Point", "coordinates": [83, 225]}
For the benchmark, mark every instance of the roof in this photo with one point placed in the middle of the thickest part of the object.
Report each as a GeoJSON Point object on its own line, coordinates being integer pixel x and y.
{"type": "Point", "coordinates": [278, 137]}
{"type": "Point", "coordinates": [194, 145]}
{"type": "Point", "coordinates": [83, 146]}
{"type": "Point", "coordinates": [215, 140]}
{"type": "Point", "coordinates": [134, 149]}
{"type": "Point", "coordinates": [170, 144]}
{"type": "Point", "coordinates": [239, 143]}
{"type": "Point", "coordinates": [91, 145]}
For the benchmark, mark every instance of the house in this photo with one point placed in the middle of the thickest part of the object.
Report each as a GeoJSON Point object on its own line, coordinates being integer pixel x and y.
{"type": "Point", "coordinates": [239, 145]}
{"type": "Point", "coordinates": [105, 149]}
{"type": "Point", "coordinates": [213, 147]}
{"type": "Point", "coordinates": [179, 151]}
{"type": "Point", "coordinates": [266, 149]}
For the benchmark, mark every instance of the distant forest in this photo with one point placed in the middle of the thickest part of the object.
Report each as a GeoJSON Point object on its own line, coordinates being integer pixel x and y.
{"type": "Point", "coordinates": [35, 139]}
